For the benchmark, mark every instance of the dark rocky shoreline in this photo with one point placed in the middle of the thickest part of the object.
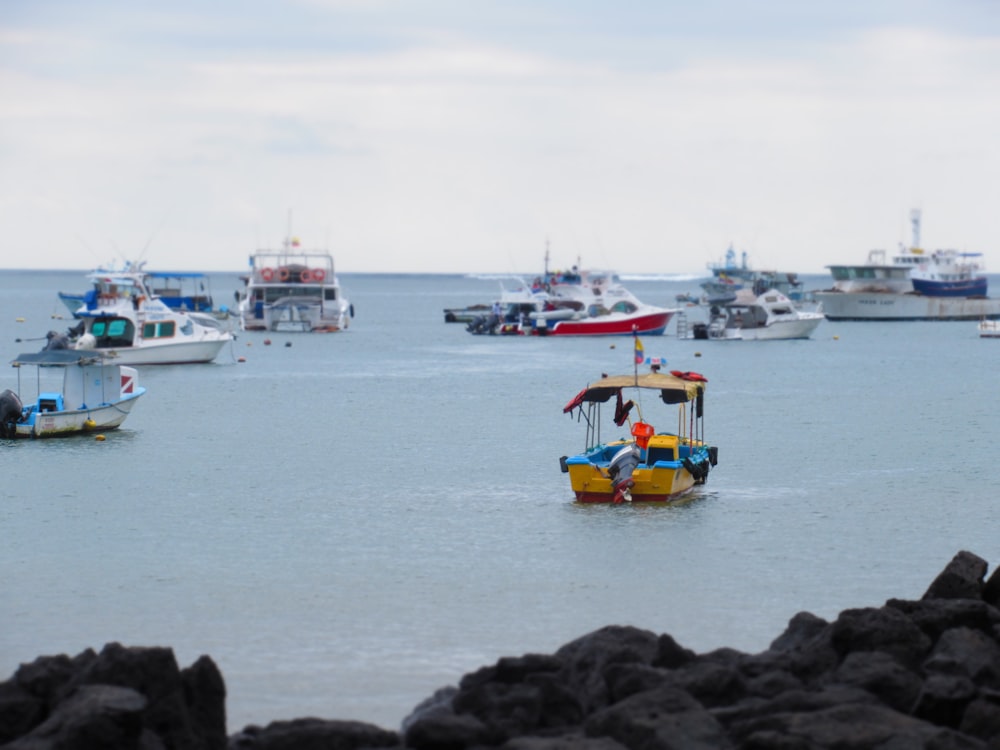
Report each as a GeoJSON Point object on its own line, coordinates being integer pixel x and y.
{"type": "Point", "coordinates": [909, 674]}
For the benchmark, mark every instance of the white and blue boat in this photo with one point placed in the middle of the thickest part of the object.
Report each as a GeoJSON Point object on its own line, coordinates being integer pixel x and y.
{"type": "Point", "coordinates": [94, 395]}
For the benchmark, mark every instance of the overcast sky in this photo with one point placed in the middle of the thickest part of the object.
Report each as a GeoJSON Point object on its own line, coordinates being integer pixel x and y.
{"type": "Point", "coordinates": [464, 135]}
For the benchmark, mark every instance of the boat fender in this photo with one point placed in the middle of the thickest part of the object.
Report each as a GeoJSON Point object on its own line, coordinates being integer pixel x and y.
{"type": "Point", "coordinates": [562, 465]}
{"type": "Point", "coordinates": [318, 274]}
{"type": "Point", "coordinates": [352, 309]}
{"type": "Point", "coordinates": [713, 455]}
{"type": "Point", "coordinates": [267, 274]}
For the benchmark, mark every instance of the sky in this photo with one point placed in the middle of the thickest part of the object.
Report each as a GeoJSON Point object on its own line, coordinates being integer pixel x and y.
{"type": "Point", "coordinates": [467, 136]}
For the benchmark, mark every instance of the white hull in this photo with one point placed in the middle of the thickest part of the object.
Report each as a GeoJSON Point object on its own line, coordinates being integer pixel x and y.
{"type": "Point", "coordinates": [55, 424]}
{"type": "Point", "coordinates": [888, 306]}
{"type": "Point", "coordinates": [989, 329]}
{"type": "Point", "coordinates": [782, 329]}
{"type": "Point", "coordinates": [182, 352]}
{"type": "Point", "coordinates": [95, 395]}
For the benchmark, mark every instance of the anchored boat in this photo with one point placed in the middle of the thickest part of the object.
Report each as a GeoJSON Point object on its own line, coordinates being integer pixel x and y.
{"type": "Point", "coordinates": [647, 463]}
{"type": "Point", "coordinates": [293, 291]}
{"type": "Point", "coordinates": [95, 395]}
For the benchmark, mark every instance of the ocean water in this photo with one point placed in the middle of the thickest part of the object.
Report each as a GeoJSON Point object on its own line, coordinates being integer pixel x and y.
{"type": "Point", "coordinates": [346, 523]}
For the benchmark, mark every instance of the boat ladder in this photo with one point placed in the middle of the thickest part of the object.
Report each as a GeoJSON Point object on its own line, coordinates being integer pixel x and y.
{"type": "Point", "coordinates": [682, 324]}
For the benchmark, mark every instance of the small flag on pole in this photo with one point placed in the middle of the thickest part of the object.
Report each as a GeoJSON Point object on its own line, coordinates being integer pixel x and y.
{"type": "Point", "coordinates": [640, 356]}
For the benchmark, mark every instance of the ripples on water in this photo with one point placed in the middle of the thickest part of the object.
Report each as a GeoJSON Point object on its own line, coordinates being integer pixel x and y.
{"type": "Point", "coordinates": [349, 523]}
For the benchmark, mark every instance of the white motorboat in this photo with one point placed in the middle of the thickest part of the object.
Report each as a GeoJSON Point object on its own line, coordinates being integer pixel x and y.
{"type": "Point", "coordinates": [123, 319]}
{"type": "Point", "coordinates": [293, 291]}
{"type": "Point", "coordinates": [989, 329]}
{"type": "Point", "coordinates": [95, 395]}
{"type": "Point", "coordinates": [572, 303]}
{"type": "Point", "coordinates": [769, 316]}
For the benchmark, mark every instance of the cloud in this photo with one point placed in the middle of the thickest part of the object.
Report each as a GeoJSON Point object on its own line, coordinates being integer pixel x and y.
{"type": "Point", "coordinates": [464, 144]}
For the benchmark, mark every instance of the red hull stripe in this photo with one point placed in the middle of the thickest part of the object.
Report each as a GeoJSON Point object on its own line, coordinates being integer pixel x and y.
{"type": "Point", "coordinates": [602, 497]}
{"type": "Point", "coordinates": [652, 324]}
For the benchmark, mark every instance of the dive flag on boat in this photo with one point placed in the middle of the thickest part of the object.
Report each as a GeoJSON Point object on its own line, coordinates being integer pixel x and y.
{"type": "Point", "coordinates": [128, 383]}
{"type": "Point", "coordinates": [639, 353]}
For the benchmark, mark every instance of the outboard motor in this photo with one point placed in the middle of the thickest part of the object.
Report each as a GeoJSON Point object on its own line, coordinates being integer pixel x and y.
{"type": "Point", "coordinates": [11, 412]}
{"type": "Point", "coordinates": [620, 470]}
{"type": "Point", "coordinates": [56, 340]}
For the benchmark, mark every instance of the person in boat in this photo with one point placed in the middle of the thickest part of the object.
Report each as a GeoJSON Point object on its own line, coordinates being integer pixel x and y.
{"type": "Point", "coordinates": [56, 340]}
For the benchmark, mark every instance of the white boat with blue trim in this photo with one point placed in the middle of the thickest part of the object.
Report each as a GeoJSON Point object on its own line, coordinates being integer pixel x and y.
{"type": "Point", "coordinates": [94, 395]}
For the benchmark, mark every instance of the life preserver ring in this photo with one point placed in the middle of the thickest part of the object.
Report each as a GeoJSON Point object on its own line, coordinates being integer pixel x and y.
{"type": "Point", "coordinates": [267, 274]}
{"type": "Point", "coordinates": [283, 274]}
{"type": "Point", "coordinates": [305, 276]}
{"type": "Point", "coordinates": [318, 274]}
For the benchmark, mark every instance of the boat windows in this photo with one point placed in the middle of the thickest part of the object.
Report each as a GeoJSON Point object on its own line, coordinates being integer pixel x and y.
{"type": "Point", "coordinates": [624, 307]}
{"type": "Point", "coordinates": [273, 294]}
{"type": "Point", "coordinates": [111, 332]}
{"type": "Point", "coordinates": [158, 329]}
{"type": "Point", "coordinates": [330, 294]}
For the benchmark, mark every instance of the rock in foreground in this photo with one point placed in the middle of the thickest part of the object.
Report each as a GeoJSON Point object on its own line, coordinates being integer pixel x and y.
{"type": "Point", "coordinates": [910, 674]}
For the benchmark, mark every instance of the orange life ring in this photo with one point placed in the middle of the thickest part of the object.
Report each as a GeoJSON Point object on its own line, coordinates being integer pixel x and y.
{"type": "Point", "coordinates": [305, 276]}
{"type": "Point", "coordinates": [267, 274]}
{"type": "Point", "coordinates": [283, 273]}
{"type": "Point", "coordinates": [318, 274]}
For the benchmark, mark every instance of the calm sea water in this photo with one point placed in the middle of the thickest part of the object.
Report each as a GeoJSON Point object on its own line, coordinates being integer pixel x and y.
{"type": "Point", "coordinates": [350, 522]}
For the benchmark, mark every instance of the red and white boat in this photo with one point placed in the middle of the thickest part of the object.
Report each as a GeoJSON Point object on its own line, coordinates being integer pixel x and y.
{"type": "Point", "coordinates": [572, 303]}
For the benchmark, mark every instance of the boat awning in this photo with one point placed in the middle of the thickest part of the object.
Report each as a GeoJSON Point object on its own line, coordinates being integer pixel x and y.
{"type": "Point", "coordinates": [58, 358]}
{"type": "Point", "coordinates": [674, 389]}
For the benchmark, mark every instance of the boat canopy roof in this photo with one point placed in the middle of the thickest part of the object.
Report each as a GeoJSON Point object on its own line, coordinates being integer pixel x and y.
{"type": "Point", "coordinates": [175, 274]}
{"type": "Point", "coordinates": [674, 389]}
{"type": "Point", "coordinates": [58, 358]}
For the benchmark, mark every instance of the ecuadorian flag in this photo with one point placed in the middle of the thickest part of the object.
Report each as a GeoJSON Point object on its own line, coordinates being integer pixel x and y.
{"type": "Point", "coordinates": [640, 355]}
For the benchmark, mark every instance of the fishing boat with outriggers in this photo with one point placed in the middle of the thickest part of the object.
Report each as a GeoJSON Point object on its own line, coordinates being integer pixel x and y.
{"type": "Point", "coordinates": [95, 395]}
{"type": "Point", "coordinates": [124, 319]}
{"type": "Point", "coordinates": [189, 291]}
{"type": "Point", "coordinates": [644, 464]}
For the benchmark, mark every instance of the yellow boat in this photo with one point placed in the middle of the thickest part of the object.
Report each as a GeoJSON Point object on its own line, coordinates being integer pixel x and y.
{"type": "Point", "coordinates": [646, 465]}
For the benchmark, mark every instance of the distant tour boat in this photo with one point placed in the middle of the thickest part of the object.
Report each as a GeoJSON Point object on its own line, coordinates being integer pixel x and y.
{"type": "Point", "coordinates": [913, 285]}
{"type": "Point", "coordinates": [293, 291]}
